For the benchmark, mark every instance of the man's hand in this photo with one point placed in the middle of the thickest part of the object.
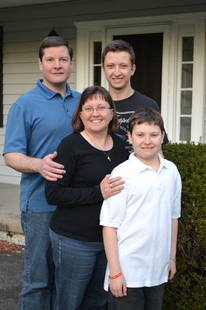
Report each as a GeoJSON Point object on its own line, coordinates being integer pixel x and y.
{"type": "Point", "coordinates": [49, 169]}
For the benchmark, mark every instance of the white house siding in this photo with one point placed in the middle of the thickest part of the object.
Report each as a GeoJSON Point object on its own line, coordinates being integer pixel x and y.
{"type": "Point", "coordinates": [24, 27]}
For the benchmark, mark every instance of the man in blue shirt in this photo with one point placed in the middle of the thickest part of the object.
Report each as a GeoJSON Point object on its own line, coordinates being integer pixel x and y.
{"type": "Point", "coordinates": [42, 117]}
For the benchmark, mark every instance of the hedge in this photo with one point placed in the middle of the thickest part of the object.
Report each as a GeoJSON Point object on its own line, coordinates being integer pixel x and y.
{"type": "Point", "coordinates": [187, 291]}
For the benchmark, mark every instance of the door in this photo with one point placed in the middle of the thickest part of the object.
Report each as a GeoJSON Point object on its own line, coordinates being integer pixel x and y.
{"type": "Point", "coordinates": [148, 76]}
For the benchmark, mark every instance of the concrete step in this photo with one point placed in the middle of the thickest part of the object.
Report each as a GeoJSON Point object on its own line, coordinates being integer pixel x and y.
{"type": "Point", "coordinates": [10, 226]}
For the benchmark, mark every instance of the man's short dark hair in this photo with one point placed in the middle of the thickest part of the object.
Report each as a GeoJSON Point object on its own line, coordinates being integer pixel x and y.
{"type": "Point", "coordinates": [53, 41]}
{"type": "Point", "coordinates": [119, 46]}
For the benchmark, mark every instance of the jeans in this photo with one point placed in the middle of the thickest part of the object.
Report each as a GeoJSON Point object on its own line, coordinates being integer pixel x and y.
{"type": "Point", "coordinates": [79, 274]}
{"type": "Point", "coordinates": [144, 298]}
{"type": "Point", "coordinates": [38, 277]}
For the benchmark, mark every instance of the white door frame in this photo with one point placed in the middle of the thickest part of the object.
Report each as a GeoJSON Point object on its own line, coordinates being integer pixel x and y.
{"type": "Point", "coordinates": [171, 27]}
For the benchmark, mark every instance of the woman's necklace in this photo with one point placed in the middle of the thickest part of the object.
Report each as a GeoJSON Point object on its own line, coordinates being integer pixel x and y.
{"type": "Point", "coordinates": [107, 153]}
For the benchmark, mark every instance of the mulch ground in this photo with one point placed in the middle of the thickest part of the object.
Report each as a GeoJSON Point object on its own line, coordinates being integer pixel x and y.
{"type": "Point", "coordinates": [7, 249]}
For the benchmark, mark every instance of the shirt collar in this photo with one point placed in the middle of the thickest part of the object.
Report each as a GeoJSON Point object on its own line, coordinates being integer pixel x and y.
{"type": "Point", "coordinates": [139, 166]}
{"type": "Point", "coordinates": [163, 162]}
{"type": "Point", "coordinates": [49, 94]}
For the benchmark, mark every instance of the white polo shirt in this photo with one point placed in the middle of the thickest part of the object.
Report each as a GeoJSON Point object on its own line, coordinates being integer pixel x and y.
{"type": "Point", "coordinates": [142, 214]}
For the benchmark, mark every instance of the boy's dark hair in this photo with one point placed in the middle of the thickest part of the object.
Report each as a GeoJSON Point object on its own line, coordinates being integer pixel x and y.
{"type": "Point", "coordinates": [119, 46]}
{"type": "Point", "coordinates": [53, 41]}
{"type": "Point", "coordinates": [146, 115]}
{"type": "Point", "coordinates": [89, 93]}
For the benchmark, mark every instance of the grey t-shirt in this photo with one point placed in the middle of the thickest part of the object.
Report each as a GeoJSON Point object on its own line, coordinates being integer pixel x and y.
{"type": "Point", "coordinates": [126, 107]}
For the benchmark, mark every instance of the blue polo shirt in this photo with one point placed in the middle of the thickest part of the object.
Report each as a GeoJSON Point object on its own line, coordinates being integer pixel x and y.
{"type": "Point", "coordinates": [36, 124]}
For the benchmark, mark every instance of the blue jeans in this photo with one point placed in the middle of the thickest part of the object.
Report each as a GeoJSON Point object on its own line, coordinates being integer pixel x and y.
{"type": "Point", "coordinates": [79, 274]}
{"type": "Point", "coordinates": [143, 298]}
{"type": "Point", "coordinates": [38, 276]}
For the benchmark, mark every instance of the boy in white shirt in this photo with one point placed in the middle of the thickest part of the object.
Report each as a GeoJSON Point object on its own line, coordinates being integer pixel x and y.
{"type": "Point", "coordinates": [141, 222]}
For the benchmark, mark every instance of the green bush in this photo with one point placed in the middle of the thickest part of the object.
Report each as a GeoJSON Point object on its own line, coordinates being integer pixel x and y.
{"type": "Point", "coordinates": [187, 291]}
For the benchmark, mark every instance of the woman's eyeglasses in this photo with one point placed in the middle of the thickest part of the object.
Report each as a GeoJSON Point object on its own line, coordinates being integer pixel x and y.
{"type": "Point", "coordinates": [98, 109]}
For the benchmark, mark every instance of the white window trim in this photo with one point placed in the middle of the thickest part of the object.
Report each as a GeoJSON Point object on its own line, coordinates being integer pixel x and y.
{"type": "Point", "coordinates": [198, 109]}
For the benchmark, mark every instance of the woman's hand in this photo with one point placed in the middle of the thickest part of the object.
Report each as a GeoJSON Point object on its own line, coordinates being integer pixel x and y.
{"type": "Point", "coordinates": [111, 186]}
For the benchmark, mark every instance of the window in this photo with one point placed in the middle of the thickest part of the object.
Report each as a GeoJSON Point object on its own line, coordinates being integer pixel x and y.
{"type": "Point", "coordinates": [97, 52]}
{"type": "Point", "coordinates": [186, 88]}
{"type": "Point", "coordinates": [1, 77]}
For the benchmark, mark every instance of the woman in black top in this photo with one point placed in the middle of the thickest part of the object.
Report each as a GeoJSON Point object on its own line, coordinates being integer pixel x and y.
{"type": "Point", "coordinates": [88, 154]}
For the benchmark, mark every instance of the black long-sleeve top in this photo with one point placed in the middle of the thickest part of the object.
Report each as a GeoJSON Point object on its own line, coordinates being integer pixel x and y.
{"type": "Point", "coordinates": [77, 195]}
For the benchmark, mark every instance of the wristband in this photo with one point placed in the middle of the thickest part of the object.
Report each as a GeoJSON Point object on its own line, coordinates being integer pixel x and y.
{"type": "Point", "coordinates": [116, 276]}
{"type": "Point", "coordinates": [174, 260]}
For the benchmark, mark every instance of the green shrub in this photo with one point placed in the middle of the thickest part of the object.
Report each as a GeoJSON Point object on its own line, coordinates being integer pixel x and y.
{"type": "Point", "coordinates": [187, 291]}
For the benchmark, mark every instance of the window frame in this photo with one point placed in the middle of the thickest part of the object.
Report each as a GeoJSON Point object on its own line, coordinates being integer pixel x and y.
{"type": "Point", "coordinates": [1, 77]}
